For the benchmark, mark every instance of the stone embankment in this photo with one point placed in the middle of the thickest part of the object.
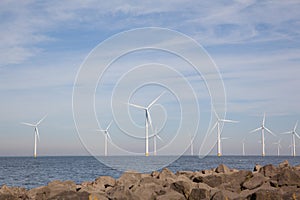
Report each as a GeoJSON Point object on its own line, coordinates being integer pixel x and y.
{"type": "Point", "coordinates": [264, 182]}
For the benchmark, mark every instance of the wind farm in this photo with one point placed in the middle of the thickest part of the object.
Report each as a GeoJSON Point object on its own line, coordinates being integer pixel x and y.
{"type": "Point", "coordinates": [294, 134]}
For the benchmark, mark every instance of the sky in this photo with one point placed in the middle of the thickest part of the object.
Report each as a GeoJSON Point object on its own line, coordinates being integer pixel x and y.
{"type": "Point", "coordinates": [253, 46]}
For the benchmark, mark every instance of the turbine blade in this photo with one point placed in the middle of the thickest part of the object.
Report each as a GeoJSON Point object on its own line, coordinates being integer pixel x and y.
{"type": "Point", "coordinates": [255, 130]}
{"type": "Point", "coordinates": [108, 136]}
{"type": "Point", "coordinates": [225, 138]}
{"type": "Point", "coordinates": [214, 126]}
{"type": "Point", "coordinates": [109, 125]}
{"type": "Point", "coordinates": [297, 135]}
{"type": "Point", "coordinates": [153, 102]}
{"type": "Point", "coordinates": [295, 126]}
{"type": "Point", "coordinates": [149, 119]}
{"type": "Point", "coordinates": [228, 120]}
{"type": "Point", "coordinates": [41, 120]}
{"type": "Point", "coordinates": [137, 106]}
{"type": "Point", "coordinates": [159, 137]}
{"type": "Point", "coordinates": [285, 133]}
{"type": "Point", "coordinates": [270, 132]}
{"type": "Point", "coordinates": [28, 124]}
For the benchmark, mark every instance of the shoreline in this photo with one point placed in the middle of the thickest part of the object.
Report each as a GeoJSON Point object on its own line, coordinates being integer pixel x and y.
{"type": "Point", "coordinates": [263, 182]}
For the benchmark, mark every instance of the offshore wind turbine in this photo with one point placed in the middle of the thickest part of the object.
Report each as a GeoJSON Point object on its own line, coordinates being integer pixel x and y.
{"type": "Point", "coordinates": [154, 140]}
{"type": "Point", "coordinates": [147, 121]}
{"type": "Point", "coordinates": [263, 128]}
{"type": "Point", "coordinates": [278, 147]}
{"type": "Point", "coordinates": [107, 136]}
{"type": "Point", "coordinates": [217, 124]}
{"type": "Point", "coordinates": [293, 133]}
{"type": "Point", "coordinates": [36, 134]}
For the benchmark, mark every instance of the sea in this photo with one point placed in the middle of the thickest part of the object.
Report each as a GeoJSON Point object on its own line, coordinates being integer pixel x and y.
{"type": "Point", "coordinates": [31, 172]}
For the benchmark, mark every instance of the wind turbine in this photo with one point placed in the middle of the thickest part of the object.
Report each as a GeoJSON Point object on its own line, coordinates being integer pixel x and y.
{"type": "Point", "coordinates": [278, 147]}
{"type": "Point", "coordinates": [263, 128]}
{"type": "Point", "coordinates": [217, 124]}
{"type": "Point", "coordinates": [293, 133]}
{"type": "Point", "coordinates": [36, 133]}
{"type": "Point", "coordinates": [243, 143]}
{"type": "Point", "coordinates": [192, 146]}
{"type": "Point", "coordinates": [147, 121]}
{"type": "Point", "coordinates": [107, 136]}
{"type": "Point", "coordinates": [154, 140]}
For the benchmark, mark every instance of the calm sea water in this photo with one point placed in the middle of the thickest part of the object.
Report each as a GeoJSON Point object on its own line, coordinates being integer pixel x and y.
{"type": "Point", "coordinates": [29, 172]}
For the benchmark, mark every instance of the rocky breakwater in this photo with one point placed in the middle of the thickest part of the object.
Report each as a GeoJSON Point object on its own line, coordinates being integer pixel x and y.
{"type": "Point", "coordinates": [264, 182]}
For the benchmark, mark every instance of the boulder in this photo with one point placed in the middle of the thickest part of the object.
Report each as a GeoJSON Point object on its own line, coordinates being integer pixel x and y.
{"type": "Point", "coordinates": [41, 193]}
{"type": "Point", "coordinates": [121, 192]}
{"type": "Point", "coordinates": [269, 171]}
{"type": "Point", "coordinates": [70, 195]}
{"type": "Point", "coordinates": [104, 182]}
{"type": "Point", "coordinates": [167, 175]}
{"type": "Point", "coordinates": [210, 180]}
{"type": "Point", "coordinates": [182, 187]}
{"type": "Point", "coordinates": [265, 194]}
{"type": "Point", "coordinates": [13, 192]}
{"type": "Point", "coordinates": [129, 179]}
{"type": "Point", "coordinates": [222, 169]}
{"type": "Point", "coordinates": [284, 164]}
{"type": "Point", "coordinates": [224, 195]}
{"type": "Point", "coordinates": [257, 167]}
{"type": "Point", "coordinates": [199, 194]}
{"type": "Point", "coordinates": [256, 181]}
{"type": "Point", "coordinates": [57, 187]}
{"type": "Point", "coordinates": [288, 177]}
{"type": "Point", "coordinates": [171, 195]}
{"type": "Point", "coordinates": [233, 181]}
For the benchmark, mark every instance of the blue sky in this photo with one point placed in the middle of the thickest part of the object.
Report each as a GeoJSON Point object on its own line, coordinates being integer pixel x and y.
{"type": "Point", "coordinates": [255, 44]}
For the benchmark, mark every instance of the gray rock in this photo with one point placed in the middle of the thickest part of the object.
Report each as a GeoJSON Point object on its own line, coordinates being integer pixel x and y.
{"type": "Point", "coordinates": [222, 169]}
{"type": "Point", "coordinates": [256, 181]}
{"type": "Point", "coordinates": [233, 181]}
{"type": "Point", "coordinates": [182, 187]}
{"type": "Point", "coordinates": [268, 171]}
{"type": "Point", "coordinates": [199, 194]}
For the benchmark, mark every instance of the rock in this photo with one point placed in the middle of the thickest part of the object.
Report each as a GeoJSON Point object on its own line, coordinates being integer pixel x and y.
{"type": "Point", "coordinates": [41, 193]}
{"type": "Point", "coordinates": [121, 192]}
{"type": "Point", "coordinates": [167, 175]}
{"type": "Point", "coordinates": [171, 195]}
{"type": "Point", "coordinates": [284, 164]}
{"type": "Point", "coordinates": [222, 169]}
{"type": "Point", "coordinates": [290, 192]}
{"type": "Point", "coordinates": [182, 187]}
{"type": "Point", "coordinates": [199, 194]}
{"type": "Point", "coordinates": [13, 192]}
{"type": "Point", "coordinates": [70, 195]}
{"type": "Point", "coordinates": [224, 195]}
{"type": "Point", "coordinates": [264, 194]}
{"type": "Point", "coordinates": [187, 174]}
{"type": "Point", "coordinates": [207, 172]}
{"type": "Point", "coordinates": [210, 180]}
{"type": "Point", "coordinates": [129, 179]}
{"type": "Point", "coordinates": [233, 181]}
{"type": "Point", "coordinates": [288, 177]}
{"type": "Point", "coordinates": [257, 167]}
{"type": "Point", "coordinates": [256, 181]}
{"type": "Point", "coordinates": [268, 171]}
{"type": "Point", "coordinates": [297, 167]}
{"type": "Point", "coordinates": [104, 182]}
{"type": "Point", "coordinates": [57, 187]}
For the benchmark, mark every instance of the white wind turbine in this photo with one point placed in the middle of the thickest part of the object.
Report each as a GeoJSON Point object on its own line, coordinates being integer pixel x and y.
{"type": "Point", "coordinates": [107, 136]}
{"type": "Point", "coordinates": [263, 128]}
{"type": "Point", "coordinates": [278, 147]}
{"type": "Point", "coordinates": [147, 121]}
{"type": "Point", "coordinates": [217, 124]}
{"type": "Point", "coordinates": [243, 143]}
{"type": "Point", "coordinates": [36, 134]}
{"type": "Point", "coordinates": [154, 140]}
{"type": "Point", "coordinates": [293, 133]}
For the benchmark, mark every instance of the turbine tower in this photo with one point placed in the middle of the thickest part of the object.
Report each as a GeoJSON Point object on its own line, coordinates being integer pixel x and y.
{"type": "Point", "coordinates": [154, 140]}
{"type": "Point", "coordinates": [36, 134]}
{"type": "Point", "coordinates": [107, 136]}
{"type": "Point", "coordinates": [278, 147]}
{"type": "Point", "coordinates": [263, 128]}
{"type": "Point", "coordinates": [293, 133]}
{"type": "Point", "coordinates": [147, 121]}
{"type": "Point", "coordinates": [217, 124]}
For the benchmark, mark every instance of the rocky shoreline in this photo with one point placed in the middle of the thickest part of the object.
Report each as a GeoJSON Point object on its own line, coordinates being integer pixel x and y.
{"type": "Point", "coordinates": [264, 182]}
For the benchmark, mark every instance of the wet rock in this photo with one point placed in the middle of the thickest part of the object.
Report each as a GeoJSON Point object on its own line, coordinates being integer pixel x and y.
{"type": "Point", "coordinates": [284, 164]}
{"type": "Point", "coordinates": [256, 181]}
{"type": "Point", "coordinates": [222, 169]}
